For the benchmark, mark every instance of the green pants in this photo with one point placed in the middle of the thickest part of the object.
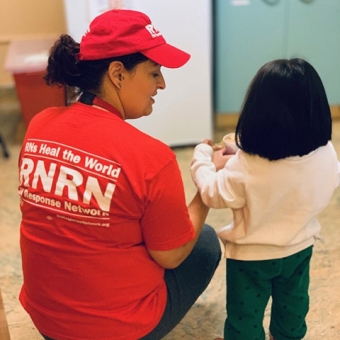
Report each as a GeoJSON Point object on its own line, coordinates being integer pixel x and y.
{"type": "Point", "coordinates": [249, 287]}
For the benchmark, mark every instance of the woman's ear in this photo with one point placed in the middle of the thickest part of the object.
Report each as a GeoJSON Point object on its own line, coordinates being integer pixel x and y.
{"type": "Point", "coordinates": [115, 73]}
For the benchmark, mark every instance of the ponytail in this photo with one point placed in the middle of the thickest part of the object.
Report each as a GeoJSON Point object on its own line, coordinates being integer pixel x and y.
{"type": "Point", "coordinates": [62, 68]}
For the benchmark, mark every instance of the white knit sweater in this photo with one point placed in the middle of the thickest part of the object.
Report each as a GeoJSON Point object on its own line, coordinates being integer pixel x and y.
{"type": "Point", "coordinates": [274, 203]}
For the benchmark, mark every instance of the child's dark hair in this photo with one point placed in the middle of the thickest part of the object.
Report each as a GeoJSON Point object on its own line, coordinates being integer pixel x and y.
{"type": "Point", "coordinates": [64, 69]}
{"type": "Point", "coordinates": [285, 112]}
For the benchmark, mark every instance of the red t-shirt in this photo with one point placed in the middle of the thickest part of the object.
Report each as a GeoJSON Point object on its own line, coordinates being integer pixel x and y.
{"type": "Point", "coordinates": [95, 193]}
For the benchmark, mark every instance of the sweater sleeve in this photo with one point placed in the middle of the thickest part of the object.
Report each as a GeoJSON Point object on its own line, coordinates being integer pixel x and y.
{"type": "Point", "coordinates": [218, 189]}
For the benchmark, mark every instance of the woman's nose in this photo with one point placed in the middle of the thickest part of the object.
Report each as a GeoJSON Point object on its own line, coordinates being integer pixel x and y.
{"type": "Point", "coordinates": [161, 82]}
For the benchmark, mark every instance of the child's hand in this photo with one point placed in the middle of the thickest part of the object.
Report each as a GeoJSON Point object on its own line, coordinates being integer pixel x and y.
{"type": "Point", "coordinates": [219, 158]}
{"type": "Point", "coordinates": [215, 147]}
{"type": "Point", "coordinates": [229, 150]}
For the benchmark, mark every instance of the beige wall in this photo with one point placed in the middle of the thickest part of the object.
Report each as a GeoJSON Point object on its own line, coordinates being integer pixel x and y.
{"type": "Point", "coordinates": [27, 19]}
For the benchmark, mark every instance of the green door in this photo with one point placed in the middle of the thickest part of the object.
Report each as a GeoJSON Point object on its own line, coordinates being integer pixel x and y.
{"type": "Point", "coordinates": [248, 33]}
{"type": "Point", "coordinates": [314, 34]}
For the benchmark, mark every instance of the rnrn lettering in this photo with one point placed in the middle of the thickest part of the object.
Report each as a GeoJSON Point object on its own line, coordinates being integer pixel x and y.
{"type": "Point", "coordinates": [62, 180]}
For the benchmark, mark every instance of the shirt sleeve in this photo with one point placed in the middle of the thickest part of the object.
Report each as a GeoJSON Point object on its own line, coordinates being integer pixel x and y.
{"type": "Point", "coordinates": [218, 189]}
{"type": "Point", "coordinates": [166, 223]}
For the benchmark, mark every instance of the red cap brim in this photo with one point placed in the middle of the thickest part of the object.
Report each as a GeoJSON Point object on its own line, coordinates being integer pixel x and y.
{"type": "Point", "coordinates": [167, 55]}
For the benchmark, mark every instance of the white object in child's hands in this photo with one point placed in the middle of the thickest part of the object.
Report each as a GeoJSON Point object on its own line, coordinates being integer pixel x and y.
{"type": "Point", "coordinates": [230, 143]}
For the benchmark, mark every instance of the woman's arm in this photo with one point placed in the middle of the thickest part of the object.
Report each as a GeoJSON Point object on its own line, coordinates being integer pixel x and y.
{"type": "Point", "coordinates": [173, 258]}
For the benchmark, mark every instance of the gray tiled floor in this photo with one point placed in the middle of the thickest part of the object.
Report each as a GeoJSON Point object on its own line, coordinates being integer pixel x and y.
{"type": "Point", "coordinates": [205, 320]}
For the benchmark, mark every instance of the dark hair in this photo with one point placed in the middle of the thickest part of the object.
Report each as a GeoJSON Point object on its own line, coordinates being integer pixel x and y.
{"type": "Point", "coordinates": [64, 69]}
{"type": "Point", "coordinates": [285, 112]}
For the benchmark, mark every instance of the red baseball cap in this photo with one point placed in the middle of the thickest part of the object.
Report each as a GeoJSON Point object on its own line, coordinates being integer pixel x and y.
{"type": "Point", "coordinates": [119, 32]}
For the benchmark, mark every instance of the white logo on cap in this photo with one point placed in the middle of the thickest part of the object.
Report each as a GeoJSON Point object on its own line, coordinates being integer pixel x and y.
{"type": "Point", "coordinates": [153, 31]}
